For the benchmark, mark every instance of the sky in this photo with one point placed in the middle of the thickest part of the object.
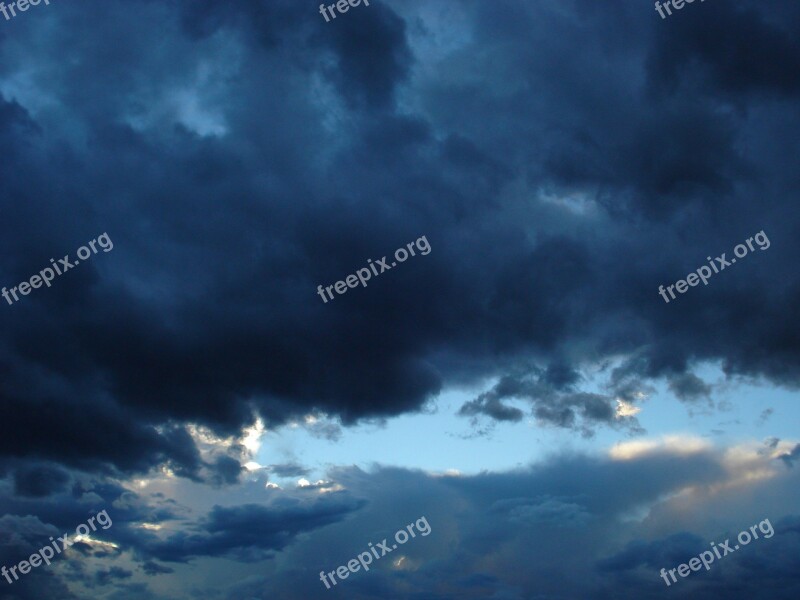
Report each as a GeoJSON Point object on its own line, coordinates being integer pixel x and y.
{"type": "Point", "coordinates": [430, 266]}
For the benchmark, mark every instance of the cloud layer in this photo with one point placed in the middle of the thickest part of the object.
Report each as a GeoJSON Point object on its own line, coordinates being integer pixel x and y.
{"type": "Point", "coordinates": [563, 158]}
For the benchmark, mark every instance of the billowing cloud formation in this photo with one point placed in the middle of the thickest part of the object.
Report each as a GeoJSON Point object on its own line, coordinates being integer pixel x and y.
{"type": "Point", "coordinates": [572, 526]}
{"type": "Point", "coordinates": [252, 532]}
{"type": "Point", "coordinates": [243, 155]}
{"type": "Point", "coordinates": [567, 525]}
{"type": "Point", "coordinates": [554, 401]}
{"type": "Point", "coordinates": [564, 159]}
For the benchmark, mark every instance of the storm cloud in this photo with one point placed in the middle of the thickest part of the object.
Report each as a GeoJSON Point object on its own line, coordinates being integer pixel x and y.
{"type": "Point", "coordinates": [564, 158]}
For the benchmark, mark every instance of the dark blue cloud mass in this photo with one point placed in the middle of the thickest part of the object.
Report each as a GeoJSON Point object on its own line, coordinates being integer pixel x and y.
{"type": "Point", "coordinates": [564, 158]}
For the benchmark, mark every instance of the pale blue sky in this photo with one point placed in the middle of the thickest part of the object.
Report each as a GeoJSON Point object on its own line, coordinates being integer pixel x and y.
{"type": "Point", "coordinates": [437, 441]}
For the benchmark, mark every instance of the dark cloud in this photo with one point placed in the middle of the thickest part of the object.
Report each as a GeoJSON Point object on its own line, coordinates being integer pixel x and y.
{"type": "Point", "coordinates": [721, 63]}
{"type": "Point", "coordinates": [113, 574]}
{"type": "Point", "coordinates": [253, 532]}
{"type": "Point", "coordinates": [371, 56]}
{"type": "Point", "coordinates": [226, 470]}
{"type": "Point", "coordinates": [603, 528]}
{"type": "Point", "coordinates": [552, 222]}
{"type": "Point", "coordinates": [491, 406]}
{"type": "Point", "coordinates": [672, 550]}
{"type": "Point", "coordinates": [688, 387]}
{"type": "Point", "coordinates": [20, 537]}
{"type": "Point", "coordinates": [39, 480]}
{"type": "Point", "coordinates": [765, 415]}
{"type": "Point", "coordinates": [579, 508]}
{"type": "Point", "coordinates": [288, 470]}
{"type": "Point", "coordinates": [564, 159]}
{"type": "Point", "coordinates": [324, 430]}
{"type": "Point", "coordinates": [152, 568]}
{"type": "Point", "coordinates": [790, 457]}
{"type": "Point", "coordinates": [558, 511]}
{"type": "Point", "coordinates": [553, 399]}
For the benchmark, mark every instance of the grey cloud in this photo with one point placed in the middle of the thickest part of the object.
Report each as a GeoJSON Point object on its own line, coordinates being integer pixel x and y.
{"type": "Point", "coordinates": [335, 142]}
{"type": "Point", "coordinates": [553, 402]}
{"type": "Point", "coordinates": [253, 532]}
{"type": "Point", "coordinates": [688, 387]}
{"type": "Point", "coordinates": [288, 470]}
